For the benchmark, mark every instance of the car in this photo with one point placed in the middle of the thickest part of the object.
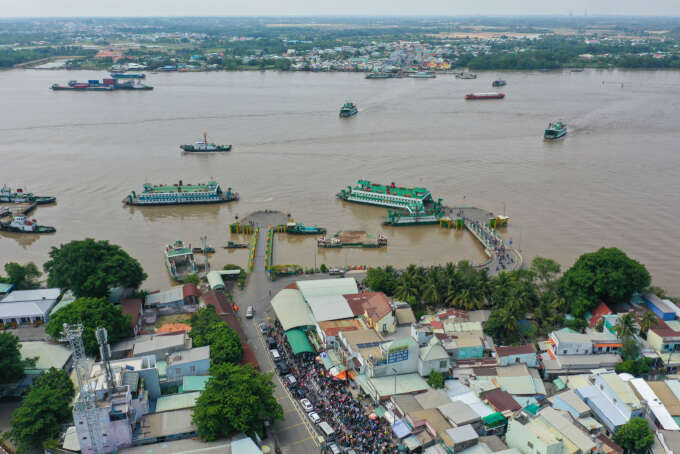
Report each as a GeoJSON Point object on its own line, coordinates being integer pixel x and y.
{"type": "Point", "coordinates": [283, 368]}
{"type": "Point", "coordinates": [333, 448]}
{"type": "Point", "coordinates": [264, 329]}
{"type": "Point", "coordinates": [290, 380]}
{"type": "Point", "coordinates": [271, 342]}
{"type": "Point", "coordinates": [306, 404]}
{"type": "Point", "coordinates": [336, 272]}
{"type": "Point", "coordinates": [250, 312]}
{"type": "Point", "coordinates": [276, 356]}
{"type": "Point", "coordinates": [314, 417]}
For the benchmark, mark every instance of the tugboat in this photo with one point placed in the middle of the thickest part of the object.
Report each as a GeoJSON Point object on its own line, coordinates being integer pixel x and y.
{"type": "Point", "coordinates": [555, 131]}
{"type": "Point", "coordinates": [204, 146]}
{"type": "Point", "coordinates": [349, 109]}
{"type": "Point", "coordinates": [498, 83]}
{"type": "Point", "coordinates": [21, 225]}
{"type": "Point", "coordinates": [6, 195]}
{"type": "Point", "coordinates": [180, 261]}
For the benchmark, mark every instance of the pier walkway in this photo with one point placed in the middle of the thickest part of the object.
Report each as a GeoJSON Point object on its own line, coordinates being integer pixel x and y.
{"type": "Point", "coordinates": [502, 256]}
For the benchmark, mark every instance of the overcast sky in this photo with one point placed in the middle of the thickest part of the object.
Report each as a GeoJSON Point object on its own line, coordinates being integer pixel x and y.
{"type": "Point", "coordinates": [32, 8]}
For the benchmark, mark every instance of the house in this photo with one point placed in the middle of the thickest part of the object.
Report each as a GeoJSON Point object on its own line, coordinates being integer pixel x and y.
{"type": "Point", "coordinates": [571, 402]}
{"type": "Point", "coordinates": [189, 362]}
{"type": "Point", "coordinates": [563, 426]}
{"type": "Point", "coordinates": [518, 354]}
{"type": "Point", "coordinates": [361, 345]}
{"type": "Point", "coordinates": [133, 308]}
{"type": "Point", "coordinates": [500, 400]}
{"type": "Point", "coordinates": [666, 341]}
{"type": "Point", "coordinates": [570, 342]}
{"type": "Point", "coordinates": [175, 298]}
{"type": "Point", "coordinates": [376, 310]}
{"type": "Point", "coordinates": [600, 311]}
{"type": "Point", "coordinates": [433, 357]}
{"type": "Point", "coordinates": [47, 355]}
{"type": "Point", "coordinates": [462, 437]}
{"type": "Point", "coordinates": [664, 309]}
{"type": "Point", "coordinates": [658, 413]}
{"type": "Point", "coordinates": [161, 346]}
{"type": "Point", "coordinates": [5, 289]}
{"type": "Point", "coordinates": [534, 437]}
{"type": "Point", "coordinates": [459, 414]}
{"type": "Point", "coordinates": [28, 307]}
{"type": "Point", "coordinates": [401, 356]}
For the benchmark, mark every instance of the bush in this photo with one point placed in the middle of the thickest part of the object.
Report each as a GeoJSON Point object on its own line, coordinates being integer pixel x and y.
{"type": "Point", "coordinates": [436, 379]}
{"type": "Point", "coordinates": [323, 268]}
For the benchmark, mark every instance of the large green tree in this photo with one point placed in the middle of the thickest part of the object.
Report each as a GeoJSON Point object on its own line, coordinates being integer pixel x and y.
{"type": "Point", "coordinates": [201, 324]}
{"type": "Point", "coordinates": [23, 277]}
{"type": "Point", "coordinates": [11, 364]}
{"type": "Point", "coordinates": [382, 280]}
{"type": "Point", "coordinates": [225, 345]}
{"type": "Point", "coordinates": [43, 411]}
{"type": "Point", "coordinates": [92, 268]}
{"type": "Point", "coordinates": [607, 274]}
{"type": "Point", "coordinates": [236, 399]}
{"type": "Point", "coordinates": [91, 313]}
{"type": "Point", "coordinates": [635, 436]}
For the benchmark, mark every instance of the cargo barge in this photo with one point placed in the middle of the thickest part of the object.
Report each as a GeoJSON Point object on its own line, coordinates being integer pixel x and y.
{"type": "Point", "coordinates": [388, 196]}
{"type": "Point", "coordinates": [20, 224]}
{"type": "Point", "coordinates": [356, 239]}
{"type": "Point", "coordinates": [19, 196]}
{"type": "Point", "coordinates": [104, 85]}
{"type": "Point", "coordinates": [180, 261]}
{"type": "Point", "coordinates": [181, 194]}
{"type": "Point", "coordinates": [473, 96]}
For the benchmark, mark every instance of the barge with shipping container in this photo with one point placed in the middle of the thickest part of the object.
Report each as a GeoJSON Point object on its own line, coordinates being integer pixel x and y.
{"type": "Point", "coordinates": [180, 261]}
{"type": "Point", "coordinates": [181, 194]}
{"type": "Point", "coordinates": [475, 96]}
{"type": "Point", "coordinates": [353, 238]}
{"type": "Point", "coordinates": [19, 196]}
{"type": "Point", "coordinates": [104, 85]}
{"type": "Point", "coordinates": [19, 224]}
{"type": "Point", "coordinates": [388, 196]}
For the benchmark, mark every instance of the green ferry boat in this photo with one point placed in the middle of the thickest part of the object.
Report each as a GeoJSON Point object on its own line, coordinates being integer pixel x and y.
{"type": "Point", "coordinates": [555, 131]}
{"type": "Point", "coordinates": [180, 261]}
{"type": "Point", "coordinates": [349, 109]}
{"type": "Point", "coordinates": [388, 196]}
{"type": "Point", "coordinates": [19, 196]}
{"type": "Point", "coordinates": [181, 194]}
{"type": "Point", "coordinates": [418, 216]}
{"type": "Point", "coordinates": [379, 75]}
{"type": "Point", "coordinates": [301, 229]}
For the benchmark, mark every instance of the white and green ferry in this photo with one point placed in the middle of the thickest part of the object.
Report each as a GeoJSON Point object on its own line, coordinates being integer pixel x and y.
{"type": "Point", "coordinates": [388, 196]}
{"type": "Point", "coordinates": [180, 260]}
{"type": "Point", "coordinates": [181, 194]}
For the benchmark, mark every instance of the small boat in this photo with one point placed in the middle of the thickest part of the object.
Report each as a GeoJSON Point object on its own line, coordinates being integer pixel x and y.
{"type": "Point", "coordinates": [20, 224]}
{"type": "Point", "coordinates": [349, 109]}
{"type": "Point", "coordinates": [207, 250]}
{"type": "Point", "coordinates": [180, 261]}
{"type": "Point", "coordinates": [204, 147]}
{"type": "Point", "coordinates": [379, 75]}
{"type": "Point", "coordinates": [498, 83]}
{"type": "Point", "coordinates": [555, 131]}
{"type": "Point", "coordinates": [128, 76]}
{"type": "Point", "coordinates": [473, 96]}
{"type": "Point", "coordinates": [577, 70]}
{"type": "Point", "coordinates": [233, 245]}
{"type": "Point", "coordinates": [301, 229]}
{"type": "Point", "coordinates": [466, 76]}
{"type": "Point", "coordinates": [422, 75]}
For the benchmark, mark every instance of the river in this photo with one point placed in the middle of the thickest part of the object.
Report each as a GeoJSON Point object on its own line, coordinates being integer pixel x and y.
{"type": "Point", "coordinates": [612, 182]}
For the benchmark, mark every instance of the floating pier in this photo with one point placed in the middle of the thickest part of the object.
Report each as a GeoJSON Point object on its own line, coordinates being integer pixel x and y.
{"type": "Point", "coordinates": [353, 238]}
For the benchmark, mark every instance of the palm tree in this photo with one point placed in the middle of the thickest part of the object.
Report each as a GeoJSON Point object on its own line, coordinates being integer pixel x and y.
{"type": "Point", "coordinates": [431, 294]}
{"type": "Point", "coordinates": [625, 327]}
{"type": "Point", "coordinates": [647, 320]}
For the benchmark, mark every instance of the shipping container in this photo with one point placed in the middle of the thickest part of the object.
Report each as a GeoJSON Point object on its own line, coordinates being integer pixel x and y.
{"type": "Point", "coordinates": [109, 81]}
{"type": "Point", "coordinates": [93, 82]}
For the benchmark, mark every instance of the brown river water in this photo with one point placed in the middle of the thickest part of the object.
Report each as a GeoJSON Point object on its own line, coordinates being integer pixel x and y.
{"type": "Point", "coordinates": [612, 182]}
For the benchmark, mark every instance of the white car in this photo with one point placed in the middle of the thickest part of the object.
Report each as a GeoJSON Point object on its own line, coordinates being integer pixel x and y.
{"type": "Point", "coordinates": [314, 417]}
{"type": "Point", "coordinates": [306, 404]}
{"type": "Point", "coordinates": [250, 312]}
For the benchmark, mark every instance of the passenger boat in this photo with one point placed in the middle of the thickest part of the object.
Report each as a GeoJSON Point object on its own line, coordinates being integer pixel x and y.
{"type": "Point", "coordinates": [301, 229]}
{"type": "Point", "coordinates": [379, 75]}
{"type": "Point", "coordinates": [20, 224]}
{"type": "Point", "coordinates": [473, 96]}
{"type": "Point", "coordinates": [19, 196]}
{"type": "Point", "coordinates": [388, 196]}
{"type": "Point", "coordinates": [205, 147]}
{"type": "Point", "coordinates": [555, 131]}
{"type": "Point", "coordinates": [349, 109]}
{"type": "Point", "coordinates": [498, 83]}
{"type": "Point", "coordinates": [181, 194]}
{"type": "Point", "coordinates": [180, 260]}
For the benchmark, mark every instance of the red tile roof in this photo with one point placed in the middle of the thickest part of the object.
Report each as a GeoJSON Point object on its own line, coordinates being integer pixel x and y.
{"type": "Point", "coordinates": [356, 302]}
{"type": "Point", "coordinates": [448, 313]}
{"type": "Point", "coordinates": [172, 328]}
{"type": "Point", "coordinates": [190, 290]}
{"type": "Point", "coordinates": [500, 400]}
{"type": "Point", "coordinates": [436, 325]}
{"type": "Point", "coordinates": [600, 310]}
{"type": "Point", "coordinates": [515, 350]}
{"type": "Point", "coordinates": [132, 307]}
{"type": "Point", "coordinates": [378, 306]}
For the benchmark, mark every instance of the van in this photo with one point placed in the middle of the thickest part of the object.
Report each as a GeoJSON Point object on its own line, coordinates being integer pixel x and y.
{"type": "Point", "coordinates": [275, 355]}
{"type": "Point", "coordinates": [326, 430]}
{"type": "Point", "coordinates": [250, 312]}
{"type": "Point", "coordinates": [336, 272]}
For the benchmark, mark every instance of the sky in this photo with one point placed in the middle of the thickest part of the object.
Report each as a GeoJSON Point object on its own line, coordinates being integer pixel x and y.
{"type": "Point", "coordinates": [67, 8]}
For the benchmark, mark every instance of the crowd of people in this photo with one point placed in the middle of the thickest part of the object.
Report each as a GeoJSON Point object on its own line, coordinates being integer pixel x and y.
{"type": "Point", "coordinates": [333, 401]}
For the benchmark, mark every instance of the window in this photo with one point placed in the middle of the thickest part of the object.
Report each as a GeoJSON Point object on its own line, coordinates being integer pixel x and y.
{"type": "Point", "coordinates": [442, 364]}
{"type": "Point", "coordinates": [530, 445]}
{"type": "Point", "coordinates": [564, 352]}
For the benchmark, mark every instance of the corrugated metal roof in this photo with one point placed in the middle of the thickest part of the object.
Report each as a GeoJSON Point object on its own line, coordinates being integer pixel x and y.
{"type": "Point", "coordinates": [405, 383]}
{"type": "Point", "coordinates": [41, 294]}
{"type": "Point", "coordinates": [49, 355]}
{"type": "Point", "coordinates": [334, 307]}
{"type": "Point", "coordinates": [176, 401]}
{"type": "Point", "coordinates": [192, 383]}
{"type": "Point", "coordinates": [168, 296]}
{"type": "Point", "coordinates": [291, 309]}
{"type": "Point", "coordinates": [328, 287]}
{"type": "Point", "coordinates": [563, 424]}
{"type": "Point", "coordinates": [27, 309]}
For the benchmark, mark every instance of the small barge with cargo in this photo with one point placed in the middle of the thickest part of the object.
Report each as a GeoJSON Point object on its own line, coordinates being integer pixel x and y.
{"type": "Point", "coordinates": [355, 239]}
{"type": "Point", "coordinates": [181, 194]}
{"type": "Point", "coordinates": [104, 85]}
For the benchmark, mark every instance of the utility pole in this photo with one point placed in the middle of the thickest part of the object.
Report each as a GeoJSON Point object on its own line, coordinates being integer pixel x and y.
{"type": "Point", "coordinates": [204, 239]}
